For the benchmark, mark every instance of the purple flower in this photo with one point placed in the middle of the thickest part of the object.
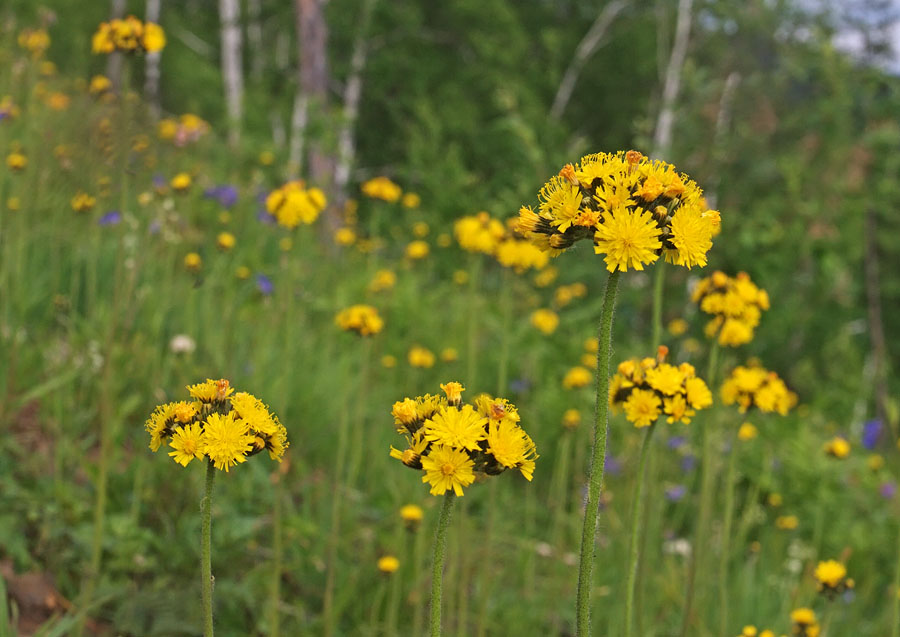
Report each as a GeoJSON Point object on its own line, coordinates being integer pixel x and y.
{"type": "Point", "coordinates": [264, 284]}
{"type": "Point", "coordinates": [159, 181]}
{"type": "Point", "coordinates": [871, 433]}
{"type": "Point", "coordinates": [688, 462]}
{"type": "Point", "coordinates": [225, 194]}
{"type": "Point", "coordinates": [111, 218]}
{"type": "Point", "coordinates": [613, 466]}
{"type": "Point", "coordinates": [263, 216]}
{"type": "Point", "coordinates": [888, 489]}
{"type": "Point", "coordinates": [676, 441]}
{"type": "Point", "coordinates": [675, 493]}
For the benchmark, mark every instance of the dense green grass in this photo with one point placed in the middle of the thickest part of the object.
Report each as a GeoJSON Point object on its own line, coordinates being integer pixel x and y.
{"type": "Point", "coordinates": [88, 314]}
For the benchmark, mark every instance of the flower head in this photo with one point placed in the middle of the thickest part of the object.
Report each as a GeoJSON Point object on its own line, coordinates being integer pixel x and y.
{"type": "Point", "coordinates": [735, 303]}
{"type": "Point", "coordinates": [831, 578]}
{"type": "Point", "coordinates": [753, 386]}
{"type": "Point", "coordinates": [447, 469]}
{"type": "Point", "coordinates": [362, 319]}
{"type": "Point", "coordinates": [294, 204]}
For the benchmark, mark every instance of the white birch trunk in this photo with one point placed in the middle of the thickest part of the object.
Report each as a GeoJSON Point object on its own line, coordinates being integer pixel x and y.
{"type": "Point", "coordinates": [151, 63]}
{"type": "Point", "coordinates": [299, 119]}
{"type": "Point", "coordinates": [232, 71]}
{"type": "Point", "coordinates": [255, 37]}
{"type": "Point", "coordinates": [662, 137]}
{"type": "Point", "coordinates": [115, 60]}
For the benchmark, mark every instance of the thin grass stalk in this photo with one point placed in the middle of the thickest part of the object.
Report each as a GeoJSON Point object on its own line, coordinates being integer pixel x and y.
{"type": "Point", "coordinates": [328, 609]}
{"type": "Point", "coordinates": [277, 559]}
{"type": "Point", "coordinates": [437, 565]}
{"type": "Point", "coordinates": [706, 493]}
{"type": "Point", "coordinates": [472, 325]}
{"type": "Point", "coordinates": [637, 511]}
{"type": "Point", "coordinates": [895, 614]}
{"type": "Point", "coordinates": [206, 578]}
{"type": "Point", "coordinates": [598, 461]}
{"type": "Point", "coordinates": [418, 560]}
{"type": "Point", "coordinates": [726, 534]}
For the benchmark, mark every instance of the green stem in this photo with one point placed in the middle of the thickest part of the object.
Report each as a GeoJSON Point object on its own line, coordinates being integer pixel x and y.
{"type": "Point", "coordinates": [636, 523]}
{"type": "Point", "coordinates": [726, 535]}
{"type": "Point", "coordinates": [205, 561]}
{"type": "Point", "coordinates": [598, 461]}
{"type": "Point", "coordinates": [437, 568]}
{"type": "Point", "coordinates": [418, 559]}
{"type": "Point", "coordinates": [277, 558]}
{"type": "Point", "coordinates": [472, 344]}
{"type": "Point", "coordinates": [658, 285]}
{"type": "Point", "coordinates": [895, 618]}
{"type": "Point", "coordinates": [706, 492]}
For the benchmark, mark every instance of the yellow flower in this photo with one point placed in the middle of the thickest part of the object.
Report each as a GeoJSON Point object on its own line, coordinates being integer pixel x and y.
{"type": "Point", "coordinates": [420, 229]}
{"type": "Point", "coordinates": [666, 379]}
{"type": "Point", "coordinates": [628, 239]}
{"type": "Point", "coordinates": [786, 522]}
{"type": "Point", "coordinates": [691, 236]}
{"type": "Point", "coordinates": [478, 233]}
{"type": "Point", "coordinates": [388, 361]}
{"type": "Point", "coordinates": [362, 319]}
{"type": "Point", "coordinates": [266, 158]}
{"type": "Point", "coordinates": [226, 441]}
{"type": "Point", "coordinates": [225, 241]}
{"type": "Point", "coordinates": [642, 407]}
{"type": "Point", "coordinates": [243, 272]}
{"type": "Point", "coordinates": [181, 182]}
{"type": "Point", "coordinates": [16, 161]}
{"type": "Point", "coordinates": [545, 320]}
{"type": "Point", "coordinates": [416, 250]}
{"type": "Point", "coordinates": [13, 203]}
{"type": "Point", "coordinates": [411, 200]}
{"type": "Point", "coordinates": [571, 418]}
{"type": "Point", "coordinates": [99, 84]}
{"type": "Point", "coordinates": [736, 304]}
{"type": "Point", "coordinates": [411, 514]}
{"type": "Point", "coordinates": [454, 391]}
{"type": "Point", "coordinates": [382, 188]}
{"type": "Point", "coordinates": [82, 202]}
{"type": "Point", "coordinates": [577, 377]}
{"type": "Point", "coordinates": [154, 37]}
{"type": "Point", "coordinates": [747, 432]}
{"type": "Point", "coordinates": [412, 456]}
{"type": "Point", "coordinates": [677, 327]}
{"type": "Point", "coordinates": [459, 428]}
{"type": "Point", "coordinates": [677, 410]}
{"type": "Point", "coordinates": [420, 357]}
{"type": "Point", "coordinates": [511, 447]}
{"type": "Point", "coordinates": [344, 236]}
{"type": "Point", "coordinates": [35, 41]}
{"type": "Point", "coordinates": [775, 500]}
{"type": "Point", "coordinates": [388, 564]}
{"type": "Point", "coordinates": [837, 447]}
{"type": "Point", "coordinates": [383, 280]}
{"type": "Point", "coordinates": [698, 394]}
{"type": "Point", "coordinates": [192, 261]}
{"type": "Point", "coordinates": [211, 391]}
{"type": "Point", "coordinates": [749, 631]}
{"type": "Point", "coordinates": [805, 618]}
{"type": "Point", "coordinates": [187, 444]}
{"type": "Point", "coordinates": [830, 574]}
{"type": "Point", "coordinates": [447, 468]}
{"type": "Point", "coordinates": [449, 355]}
{"type": "Point", "coordinates": [293, 204]}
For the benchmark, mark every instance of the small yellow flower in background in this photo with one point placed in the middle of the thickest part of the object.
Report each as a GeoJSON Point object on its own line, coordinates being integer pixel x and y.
{"type": "Point", "coordinates": [58, 101]}
{"type": "Point", "coordinates": [419, 356]}
{"type": "Point", "coordinates": [545, 320]}
{"type": "Point", "coordinates": [677, 327]}
{"type": "Point", "coordinates": [444, 240]}
{"type": "Point", "coordinates": [411, 200]}
{"type": "Point", "coordinates": [243, 272]}
{"type": "Point", "coordinates": [192, 261]}
{"type": "Point", "coordinates": [293, 204]}
{"type": "Point", "coordinates": [181, 182]}
{"type": "Point", "coordinates": [420, 229]}
{"type": "Point", "coordinates": [735, 303]}
{"type": "Point", "coordinates": [362, 319]}
{"type": "Point", "coordinates": [875, 462]}
{"type": "Point", "coordinates": [383, 280]}
{"type": "Point", "coordinates": [749, 631]}
{"type": "Point", "coordinates": [82, 202]}
{"type": "Point", "coordinates": [592, 345]}
{"type": "Point", "coordinates": [837, 447]}
{"type": "Point", "coordinates": [412, 515]}
{"type": "Point", "coordinates": [453, 443]}
{"type": "Point", "coordinates": [285, 244]}
{"type": "Point", "coordinates": [577, 377]}
{"type": "Point", "coordinates": [219, 424]}
{"type": "Point", "coordinates": [225, 241]}
{"type": "Point", "coordinates": [767, 633]}
{"type": "Point", "coordinates": [787, 522]}
{"type": "Point", "coordinates": [632, 208]}
{"type": "Point", "coordinates": [775, 500]}
{"type": "Point", "coordinates": [266, 158]}
{"type": "Point", "coordinates": [754, 386]}
{"type": "Point", "coordinates": [571, 419]}
{"type": "Point", "coordinates": [831, 578]}
{"type": "Point", "coordinates": [804, 622]}
{"type": "Point", "coordinates": [449, 355]}
{"type": "Point", "coordinates": [747, 431]}
{"type": "Point", "coordinates": [35, 41]}
{"type": "Point", "coordinates": [416, 250]}
{"type": "Point", "coordinates": [382, 188]}
{"type": "Point", "coordinates": [16, 161]}
{"type": "Point", "coordinates": [565, 294]}
{"type": "Point", "coordinates": [99, 84]}
{"type": "Point", "coordinates": [13, 203]}
{"type": "Point", "coordinates": [648, 388]}
{"type": "Point", "coordinates": [479, 233]}
{"type": "Point", "coordinates": [460, 277]}
{"type": "Point", "coordinates": [388, 564]}
{"type": "Point", "coordinates": [520, 255]}
{"type": "Point", "coordinates": [546, 277]}
{"type": "Point", "coordinates": [388, 361]}
{"type": "Point", "coordinates": [344, 236]}
{"type": "Point", "coordinates": [224, 217]}
{"type": "Point", "coordinates": [589, 360]}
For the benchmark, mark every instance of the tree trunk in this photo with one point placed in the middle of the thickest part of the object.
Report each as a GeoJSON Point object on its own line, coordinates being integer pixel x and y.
{"type": "Point", "coordinates": [151, 64]}
{"type": "Point", "coordinates": [662, 138]}
{"type": "Point", "coordinates": [255, 37]}
{"type": "Point", "coordinates": [232, 69]}
{"type": "Point", "coordinates": [115, 60]}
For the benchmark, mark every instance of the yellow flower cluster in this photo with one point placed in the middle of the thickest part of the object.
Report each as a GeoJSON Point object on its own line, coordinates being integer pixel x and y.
{"type": "Point", "coordinates": [754, 386]}
{"type": "Point", "coordinates": [804, 623]}
{"type": "Point", "coordinates": [736, 304]}
{"type": "Point", "coordinates": [382, 188]}
{"type": "Point", "coordinates": [419, 356]}
{"type": "Point", "coordinates": [82, 202]}
{"type": "Point", "coordinates": [831, 578]}
{"type": "Point", "coordinates": [479, 233]}
{"type": "Point", "coordinates": [35, 41]}
{"type": "Point", "coordinates": [837, 447]}
{"type": "Point", "coordinates": [128, 35]}
{"type": "Point", "coordinates": [545, 320]}
{"type": "Point", "coordinates": [217, 423]}
{"type": "Point", "coordinates": [520, 255]}
{"type": "Point", "coordinates": [647, 388]}
{"type": "Point", "coordinates": [634, 209]}
{"type": "Point", "coordinates": [752, 631]}
{"type": "Point", "coordinates": [182, 130]}
{"type": "Point", "coordinates": [16, 161]}
{"type": "Point", "coordinates": [455, 443]}
{"type": "Point", "coordinates": [362, 319]}
{"type": "Point", "coordinates": [293, 204]}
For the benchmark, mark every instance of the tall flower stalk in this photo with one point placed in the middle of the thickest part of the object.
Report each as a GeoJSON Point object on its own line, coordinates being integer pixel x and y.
{"type": "Point", "coordinates": [206, 579]}
{"type": "Point", "coordinates": [437, 562]}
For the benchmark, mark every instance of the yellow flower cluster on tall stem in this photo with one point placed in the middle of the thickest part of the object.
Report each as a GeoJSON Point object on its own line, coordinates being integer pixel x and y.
{"type": "Point", "coordinates": [225, 428]}
{"type": "Point", "coordinates": [362, 319]}
{"type": "Point", "coordinates": [128, 35]}
{"type": "Point", "coordinates": [293, 204]}
{"type": "Point", "coordinates": [454, 444]}
{"type": "Point", "coordinates": [382, 188]}
{"type": "Point", "coordinates": [736, 304]}
{"type": "Point", "coordinates": [634, 209]}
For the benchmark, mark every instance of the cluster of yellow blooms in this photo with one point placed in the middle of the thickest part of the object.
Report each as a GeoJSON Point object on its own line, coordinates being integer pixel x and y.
{"type": "Point", "coordinates": [479, 233]}
{"type": "Point", "coordinates": [831, 578]}
{"type": "Point", "coordinates": [82, 202]}
{"type": "Point", "coordinates": [545, 320]}
{"type": "Point", "coordinates": [736, 304]}
{"type": "Point", "coordinates": [632, 208]}
{"type": "Point", "coordinates": [421, 357]}
{"type": "Point", "coordinates": [293, 204]}
{"type": "Point", "coordinates": [187, 128]}
{"type": "Point", "coordinates": [35, 41]}
{"type": "Point", "coordinates": [754, 386]}
{"type": "Point", "coordinates": [520, 254]}
{"type": "Point", "coordinates": [225, 426]}
{"type": "Point", "coordinates": [647, 388]}
{"type": "Point", "coordinates": [128, 35]}
{"type": "Point", "coordinates": [382, 188]}
{"type": "Point", "coordinates": [804, 623]}
{"type": "Point", "coordinates": [362, 319]}
{"type": "Point", "coordinates": [752, 631]}
{"type": "Point", "coordinates": [455, 443]}
{"type": "Point", "coordinates": [837, 447]}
